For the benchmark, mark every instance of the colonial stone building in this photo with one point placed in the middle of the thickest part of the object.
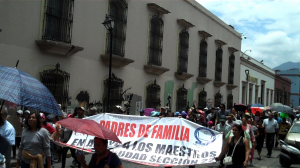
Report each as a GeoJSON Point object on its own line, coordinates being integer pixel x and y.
{"type": "Point", "coordinates": [159, 48]}
{"type": "Point", "coordinates": [282, 90]}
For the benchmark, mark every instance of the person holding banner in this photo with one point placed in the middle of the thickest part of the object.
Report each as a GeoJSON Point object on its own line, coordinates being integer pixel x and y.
{"type": "Point", "coordinates": [240, 154]}
{"type": "Point", "coordinates": [102, 158]}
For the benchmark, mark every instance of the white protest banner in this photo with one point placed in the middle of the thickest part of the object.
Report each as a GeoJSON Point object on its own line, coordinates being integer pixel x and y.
{"type": "Point", "coordinates": [155, 141]}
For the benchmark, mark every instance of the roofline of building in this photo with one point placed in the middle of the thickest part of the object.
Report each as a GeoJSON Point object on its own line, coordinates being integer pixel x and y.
{"type": "Point", "coordinates": [283, 79]}
{"type": "Point", "coordinates": [206, 12]}
{"type": "Point", "coordinates": [249, 64]}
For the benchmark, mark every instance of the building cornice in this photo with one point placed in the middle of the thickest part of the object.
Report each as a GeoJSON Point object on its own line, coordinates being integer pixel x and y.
{"type": "Point", "coordinates": [255, 67]}
{"type": "Point", "coordinates": [206, 12]}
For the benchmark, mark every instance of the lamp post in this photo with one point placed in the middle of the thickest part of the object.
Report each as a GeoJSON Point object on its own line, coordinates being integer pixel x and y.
{"type": "Point", "coordinates": [247, 79]}
{"type": "Point", "coordinates": [245, 52]}
{"type": "Point", "coordinates": [109, 25]}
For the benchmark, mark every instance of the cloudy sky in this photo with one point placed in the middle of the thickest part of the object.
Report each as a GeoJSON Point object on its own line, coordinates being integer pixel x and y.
{"type": "Point", "coordinates": [272, 27]}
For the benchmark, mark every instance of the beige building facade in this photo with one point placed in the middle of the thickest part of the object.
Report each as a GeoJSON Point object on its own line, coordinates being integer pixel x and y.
{"type": "Point", "coordinates": [160, 48]}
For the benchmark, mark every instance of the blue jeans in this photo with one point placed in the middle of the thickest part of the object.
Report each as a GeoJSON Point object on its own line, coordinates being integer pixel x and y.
{"type": "Point", "coordinates": [235, 166]}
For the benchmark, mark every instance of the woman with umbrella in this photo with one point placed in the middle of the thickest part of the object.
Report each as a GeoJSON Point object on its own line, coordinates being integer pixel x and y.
{"type": "Point", "coordinates": [35, 143]}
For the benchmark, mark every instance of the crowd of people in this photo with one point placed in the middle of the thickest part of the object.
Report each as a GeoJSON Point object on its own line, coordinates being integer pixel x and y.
{"type": "Point", "coordinates": [31, 131]}
{"type": "Point", "coordinates": [255, 128]}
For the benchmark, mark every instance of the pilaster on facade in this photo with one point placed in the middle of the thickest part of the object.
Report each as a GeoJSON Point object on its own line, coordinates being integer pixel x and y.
{"type": "Point", "coordinates": [117, 61]}
{"type": "Point", "coordinates": [59, 48]}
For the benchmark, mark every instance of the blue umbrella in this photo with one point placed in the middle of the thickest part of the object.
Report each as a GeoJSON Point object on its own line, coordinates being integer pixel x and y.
{"type": "Point", "coordinates": [257, 105]}
{"type": "Point", "coordinates": [20, 88]}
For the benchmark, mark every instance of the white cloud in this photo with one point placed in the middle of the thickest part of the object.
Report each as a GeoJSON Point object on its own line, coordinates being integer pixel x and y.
{"type": "Point", "coordinates": [272, 27]}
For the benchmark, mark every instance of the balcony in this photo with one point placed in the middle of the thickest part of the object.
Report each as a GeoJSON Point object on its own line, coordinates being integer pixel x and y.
{"type": "Point", "coordinates": [183, 75]}
{"type": "Point", "coordinates": [155, 70]}
{"type": "Point", "coordinates": [219, 83]}
{"type": "Point", "coordinates": [203, 80]}
{"type": "Point", "coordinates": [231, 86]}
{"type": "Point", "coordinates": [117, 61]}
{"type": "Point", "coordinates": [59, 48]}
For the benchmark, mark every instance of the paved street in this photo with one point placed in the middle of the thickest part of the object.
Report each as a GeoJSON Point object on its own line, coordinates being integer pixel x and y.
{"type": "Point", "coordinates": [272, 162]}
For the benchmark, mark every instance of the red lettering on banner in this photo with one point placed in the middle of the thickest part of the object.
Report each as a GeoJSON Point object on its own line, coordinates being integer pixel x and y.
{"type": "Point", "coordinates": [177, 132]}
{"type": "Point", "coordinates": [102, 122]}
{"type": "Point", "coordinates": [174, 131]}
{"type": "Point", "coordinates": [147, 131]}
{"type": "Point", "coordinates": [120, 129]}
{"type": "Point", "coordinates": [141, 130]}
{"type": "Point", "coordinates": [181, 132]}
{"type": "Point", "coordinates": [167, 132]}
{"type": "Point", "coordinates": [107, 125]}
{"type": "Point", "coordinates": [114, 127]}
{"type": "Point", "coordinates": [186, 135]}
{"type": "Point", "coordinates": [132, 127]}
{"type": "Point", "coordinates": [154, 131]}
{"type": "Point", "coordinates": [126, 129]}
{"type": "Point", "coordinates": [159, 132]}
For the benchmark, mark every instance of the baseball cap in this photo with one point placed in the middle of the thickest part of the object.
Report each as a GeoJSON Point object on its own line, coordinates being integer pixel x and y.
{"type": "Point", "coordinates": [142, 111]}
{"type": "Point", "coordinates": [177, 113]}
{"type": "Point", "coordinates": [27, 111]}
{"type": "Point", "coordinates": [93, 109]}
{"type": "Point", "coordinates": [20, 112]}
{"type": "Point", "coordinates": [183, 113]}
{"type": "Point", "coordinates": [210, 123]}
{"type": "Point", "coordinates": [70, 116]}
{"type": "Point", "coordinates": [155, 113]}
{"type": "Point", "coordinates": [43, 116]}
{"type": "Point", "coordinates": [49, 117]}
{"type": "Point", "coordinates": [222, 118]}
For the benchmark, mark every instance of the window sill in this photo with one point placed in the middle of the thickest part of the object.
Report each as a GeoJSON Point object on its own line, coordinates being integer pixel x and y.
{"type": "Point", "coordinates": [203, 80]}
{"type": "Point", "coordinates": [219, 83]}
{"type": "Point", "coordinates": [58, 47]}
{"type": "Point", "coordinates": [117, 61]}
{"type": "Point", "coordinates": [231, 86]}
{"type": "Point", "coordinates": [155, 70]}
{"type": "Point", "coordinates": [183, 75]}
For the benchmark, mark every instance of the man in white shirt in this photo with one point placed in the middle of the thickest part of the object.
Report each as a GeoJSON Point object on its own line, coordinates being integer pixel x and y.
{"type": "Point", "coordinates": [271, 127]}
{"type": "Point", "coordinates": [223, 128]}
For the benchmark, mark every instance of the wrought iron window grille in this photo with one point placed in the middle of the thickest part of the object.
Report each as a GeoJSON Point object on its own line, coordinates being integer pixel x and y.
{"type": "Point", "coordinates": [183, 51]}
{"type": "Point", "coordinates": [156, 39]}
{"type": "Point", "coordinates": [115, 92]}
{"type": "Point", "coordinates": [58, 20]}
{"type": "Point", "coordinates": [218, 66]}
{"type": "Point", "coordinates": [229, 101]}
{"type": "Point", "coordinates": [118, 12]}
{"type": "Point", "coordinates": [181, 99]}
{"type": "Point", "coordinates": [231, 69]}
{"type": "Point", "coordinates": [57, 81]}
{"type": "Point", "coordinates": [218, 99]}
{"type": "Point", "coordinates": [203, 59]}
{"type": "Point", "coordinates": [202, 99]}
{"type": "Point", "coordinates": [153, 96]}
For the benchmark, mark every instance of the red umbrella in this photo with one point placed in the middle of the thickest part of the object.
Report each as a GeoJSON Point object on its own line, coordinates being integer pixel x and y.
{"type": "Point", "coordinates": [89, 127]}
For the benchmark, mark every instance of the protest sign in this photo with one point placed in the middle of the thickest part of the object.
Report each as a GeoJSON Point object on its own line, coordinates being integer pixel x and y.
{"type": "Point", "coordinates": [155, 141]}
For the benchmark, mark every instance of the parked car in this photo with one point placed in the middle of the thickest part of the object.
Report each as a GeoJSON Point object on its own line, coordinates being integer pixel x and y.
{"type": "Point", "coordinates": [293, 136]}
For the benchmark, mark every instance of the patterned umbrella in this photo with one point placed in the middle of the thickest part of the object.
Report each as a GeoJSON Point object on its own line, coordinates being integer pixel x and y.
{"type": "Point", "coordinates": [22, 89]}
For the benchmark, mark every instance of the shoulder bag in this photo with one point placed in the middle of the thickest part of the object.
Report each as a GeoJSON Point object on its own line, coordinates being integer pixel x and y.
{"type": "Point", "coordinates": [228, 160]}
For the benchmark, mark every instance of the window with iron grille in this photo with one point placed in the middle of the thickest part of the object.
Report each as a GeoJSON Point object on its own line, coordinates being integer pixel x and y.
{"type": "Point", "coordinates": [203, 59]}
{"type": "Point", "coordinates": [231, 69]}
{"type": "Point", "coordinates": [116, 89]}
{"type": "Point", "coordinates": [229, 101]}
{"type": "Point", "coordinates": [218, 68]}
{"type": "Point", "coordinates": [58, 20]}
{"type": "Point", "coordinates": [153, 96]}
{"type": "Point", "coordinates": [118, 12]}
{"type": "Point", "coordinates": [156, 38]}
{"type": "Point", "coordinates": [181, 99]}
{"type": "Point", "coordinates": [183, 51]}
{"type": "Point", "coordinates": [57, 81]}
{"type": "Point", "coordinates": [202, 99]}
{"type": "Point", "coordinates": [218, 100]}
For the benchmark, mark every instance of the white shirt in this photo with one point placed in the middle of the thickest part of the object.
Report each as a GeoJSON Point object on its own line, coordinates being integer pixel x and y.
{"type": "Point", "coordinates": [270, 126]}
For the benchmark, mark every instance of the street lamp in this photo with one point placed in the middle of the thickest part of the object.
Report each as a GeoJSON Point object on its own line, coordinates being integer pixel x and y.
{"type": "Point", "coordinates": [245, 52]}
{"type": "Point", "coordinates": [109, 25]}
{"type": "Point", "coordinates": [247, 79]}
